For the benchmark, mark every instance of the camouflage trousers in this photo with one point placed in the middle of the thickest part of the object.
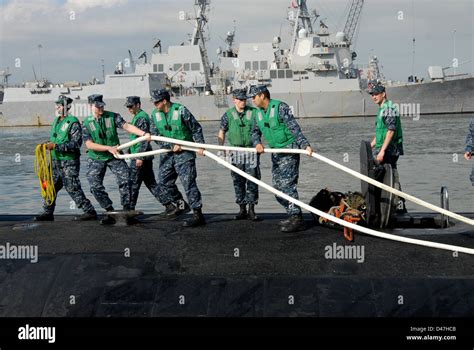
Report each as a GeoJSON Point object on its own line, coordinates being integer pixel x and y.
{"type": "Point", "coordinates": [392, 160]}
{"type": "Point", "coordinates": [180, 165]}
{"type": "Point", "coordinates": [143, 174]}
{"type": "Point", "coordinates": [66, 174]}
{"type": "Point", "coordinates": [285, 173]}
{"type": "Point", "coordinates": [387, 159]}
{"type": "Point", "coordinates": [472, 176]}
{"type": "Point", "coordinates": [246, 192]}
{"type": "Point", "coordinates": [95, 175]}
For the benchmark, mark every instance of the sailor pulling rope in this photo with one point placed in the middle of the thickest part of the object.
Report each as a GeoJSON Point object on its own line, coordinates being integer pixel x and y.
{"type": "Point", "coordinates": [191, 146]}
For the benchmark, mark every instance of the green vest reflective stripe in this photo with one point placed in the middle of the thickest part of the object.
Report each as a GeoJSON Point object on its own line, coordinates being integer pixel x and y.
{"type": "Point", "coordinates": [60, 134]}
{"type": "Point", "coordinates": [240, 129]}
{"type": "Point", "coordinates": [171, 125]}
{"type": "Point", "coordinates": [381, 129]}
{"type": "Point", "coordinates": [103, 132]}
{"type": "Point", "coordinates": [141, 114]}
{"type": "Point", "coordinates": [275, 131]}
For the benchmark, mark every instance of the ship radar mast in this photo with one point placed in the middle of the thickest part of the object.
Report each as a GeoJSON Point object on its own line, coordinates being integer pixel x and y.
{"type": "Point", "coordinates": [197, 38]}
{"type": "Point", "coordinates": [229, 40]}
{"type": "Point", "coordinates": [302, 20]}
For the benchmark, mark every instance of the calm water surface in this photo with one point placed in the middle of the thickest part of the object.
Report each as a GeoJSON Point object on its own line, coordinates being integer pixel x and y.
{"type": "Point", "coordinates": [433, 158]}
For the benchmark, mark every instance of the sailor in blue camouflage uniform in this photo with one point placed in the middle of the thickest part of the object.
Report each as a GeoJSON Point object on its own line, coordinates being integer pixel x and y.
{"type": "Point", "coordinates": [387, 145]}
{"type": "Point", "coordinates": [141, 169]}
{"type": "Point", "coordinates": [237, 123]}
{"type": "Point", "coordinates": [101, 139]}
{"type": "Point", "coordinates": [470, 147]}
{"type": "Point", "coordinates": [276, 122]}
{"type": "Point", "coordinates": [175, 121]}
{"type": "Point", "coordinates": [65, 144]}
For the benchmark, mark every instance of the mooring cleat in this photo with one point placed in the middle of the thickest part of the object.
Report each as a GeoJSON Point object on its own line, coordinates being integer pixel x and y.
{"type": "Point", "coordinates": [121, 218]}
{"type": "Point", "coordinates": [132, 220]}
{"type": "Point", "coordinates": [108, 220]}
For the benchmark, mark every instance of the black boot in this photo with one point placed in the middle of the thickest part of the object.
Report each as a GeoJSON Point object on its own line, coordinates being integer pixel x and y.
{"type": "Point", "coordinates": [108, 220]}
{"type": "Point", "coordinates": [242, 215]}
{"type": "Point", "coordinates": [196, 220]}
{"type": "Point", "coordinates": [172, 211]}
{"type": "Point", "coordinates": [89, 216]}
{"type": "Point", "coordinates": [182, 207]}
{"type": "Point", "coordinates": [295, 224]}
{"type": "Point", "coordinates": [252, 216]}
{"type": "Point", "coordinates": [169, 209]}
{"type": "Point", "coordinates": [45, 217]}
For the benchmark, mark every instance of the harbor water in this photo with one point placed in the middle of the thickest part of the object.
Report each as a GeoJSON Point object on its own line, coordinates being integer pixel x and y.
{"type": "Point", "coordinates": [434, 147]}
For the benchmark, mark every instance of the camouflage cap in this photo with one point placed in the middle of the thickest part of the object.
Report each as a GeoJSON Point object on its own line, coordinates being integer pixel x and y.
{"type": "Point", "coordinates": [376, 89]}
{"type": "Point", "coordinates": [255, 90]}
{"type": "Point", "coordinates": [132, 101]}
{"type": "Point", "coordinates": [96, 100]}
{"type": "Point", "coordinates": [240, 94]}
{"type": "Point", "coordinates": [64, 100]}
{"type": "Point", "coordinates": [159, 95]}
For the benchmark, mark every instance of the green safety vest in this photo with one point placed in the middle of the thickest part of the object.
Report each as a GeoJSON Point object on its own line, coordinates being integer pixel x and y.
{"type": "Point", "coordinates": [141, 114]}
{"type": "Point", "coordinates": [240, 129]}
{"type": "Point", "coordinates": [275, 131]}
{"type": "Point", "coordinates": [171, 124]}
{"type": "Point", "coordinates": [60, 134]}
{"type": "Point", "coordinates": [103, 132]}
{"type": "Point", "coordinates": [381, 129]}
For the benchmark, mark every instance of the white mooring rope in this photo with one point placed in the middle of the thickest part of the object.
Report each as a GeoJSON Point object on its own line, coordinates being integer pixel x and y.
{"type": "Point", "coordinates": [196, 146]}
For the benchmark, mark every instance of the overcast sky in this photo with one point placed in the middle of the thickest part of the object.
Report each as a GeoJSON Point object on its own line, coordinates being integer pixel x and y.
{"type": "Point", "coordinates": [74, 43]}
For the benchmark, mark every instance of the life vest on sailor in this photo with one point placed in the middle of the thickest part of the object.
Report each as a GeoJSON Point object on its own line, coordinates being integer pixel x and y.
{"type": "Point", "coordinates": [273, 129]}
{"type": "Point", "coordinates": [103, 132]}
{"type": "Point", "coordinates": [240, 128]}
{"type": "Point", "coordinates": [171, 124]}
{"type": "Point", "coordinates": [141, 114]}
{"type": "Point", "coordinates": [60, 134]}
{"type": "Point", "coordinates": [381, 129]}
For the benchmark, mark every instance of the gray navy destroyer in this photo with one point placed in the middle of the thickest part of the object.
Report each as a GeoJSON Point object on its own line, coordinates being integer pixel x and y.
{"type": "Point", "coordinates": [315, 74]}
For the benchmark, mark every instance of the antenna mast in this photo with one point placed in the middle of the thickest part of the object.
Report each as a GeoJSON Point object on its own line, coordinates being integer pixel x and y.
{"type": "Point", "coordinates": [353, 19]}
{"type": "Point", "coordinates": [197, 38]}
